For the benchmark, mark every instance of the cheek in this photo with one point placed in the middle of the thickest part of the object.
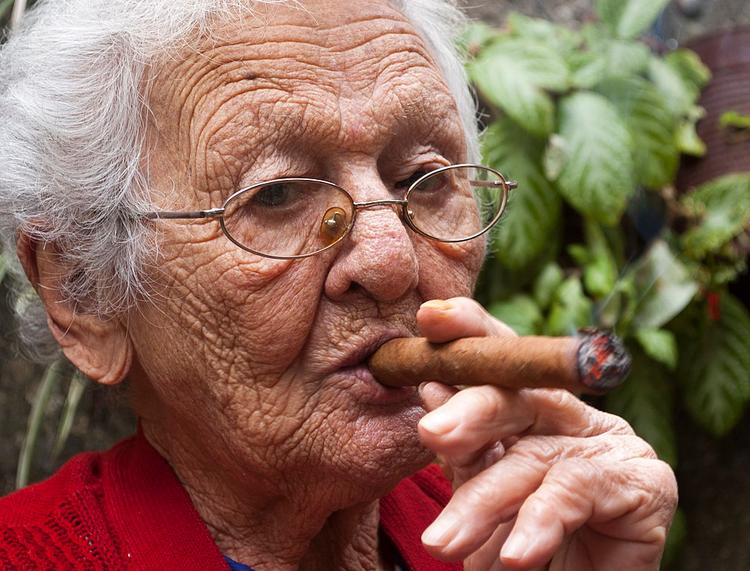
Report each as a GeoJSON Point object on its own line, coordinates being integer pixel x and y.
{"type": "Point", "coordinates": [449, 270]}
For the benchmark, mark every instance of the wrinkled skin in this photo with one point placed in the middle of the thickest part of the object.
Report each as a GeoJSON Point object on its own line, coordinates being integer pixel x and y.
{"type": "Point", "coordinates": [235, 364]}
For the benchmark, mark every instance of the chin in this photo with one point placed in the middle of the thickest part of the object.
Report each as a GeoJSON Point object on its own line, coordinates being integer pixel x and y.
{"type": "Point", "coordinates": [383, 448]}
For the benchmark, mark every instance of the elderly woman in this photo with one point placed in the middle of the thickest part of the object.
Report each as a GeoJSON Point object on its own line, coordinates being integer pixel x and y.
{"type": "Point", "coordinates": [230, 205]}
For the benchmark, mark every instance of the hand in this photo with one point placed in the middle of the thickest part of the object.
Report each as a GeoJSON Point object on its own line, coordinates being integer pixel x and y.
{"type": "Point", "coordinates": [541, 480]}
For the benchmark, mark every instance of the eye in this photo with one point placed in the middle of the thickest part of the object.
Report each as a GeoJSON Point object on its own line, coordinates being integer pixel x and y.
{"type": "Point", "coordinates": [274, 196]}
{"type": "Point", "coordinates": [408, 182]}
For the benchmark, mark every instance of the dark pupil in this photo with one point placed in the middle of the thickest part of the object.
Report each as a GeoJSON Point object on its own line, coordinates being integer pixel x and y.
{"type": "Point", "coordinates": [406, 184]}
{"type": "Point", "coordinates": [275, 195]}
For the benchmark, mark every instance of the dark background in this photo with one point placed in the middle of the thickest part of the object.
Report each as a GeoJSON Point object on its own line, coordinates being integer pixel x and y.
{"type": "Point", "coordinates": [714, 475]}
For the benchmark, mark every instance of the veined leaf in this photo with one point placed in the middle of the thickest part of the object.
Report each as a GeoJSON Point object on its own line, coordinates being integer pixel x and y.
{"type": "Point", "coordinates": [689, 67]}
{"type": "Point", "coordinates": [521, 313]}
{"type": "Point", "coordinates": [652, 125]}
{"type": "Point", "coordinates": [546, 284]}
{"type": "Point", "coordinates": [534, 208]}
{"type": "Point", "coordinates": [514, 74]}
{"type": "Point", "coordinates": [646, 401]}
{"type": "Point", "coordinates": [562, 39]}
{"type": "Point", "coordinates": [571, 309]}
{"type": "Point", "coordinates": [606, 57]}
{"type": "Point", "coordinates": [659, 344]}
{"type": "Point", "coordinates": [597, 178]}
{"type": "Point", "coordinates": [715, 368]}
{"type": "Point", "coordinates": [600, 270]}
{"type": "Point", "coordinates": [663, 285]}
{"type": "Point", "coordinates": [629, 18]}
{"type": "Point", "coordinates": [681, 93]}
{"type": "Point", "coordinates": [724, 207]}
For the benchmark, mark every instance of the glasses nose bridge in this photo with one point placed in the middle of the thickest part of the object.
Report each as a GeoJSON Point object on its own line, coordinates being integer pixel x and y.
{"type": "Point", "coordinates": [375, 203]}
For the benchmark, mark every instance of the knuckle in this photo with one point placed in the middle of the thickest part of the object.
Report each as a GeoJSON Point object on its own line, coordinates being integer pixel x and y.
{"type": "Point", "coordinates": [483, 404]}
{"type": "Point", "coordinates": [616, 424]}
{"type": "Point", "coordinates": [636, 447]}
{"type": "Point", "coordinates": [539, 449]}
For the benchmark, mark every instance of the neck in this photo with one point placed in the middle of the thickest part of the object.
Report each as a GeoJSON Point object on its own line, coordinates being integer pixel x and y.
{"type": "Point", "coordinates": [266, 530]}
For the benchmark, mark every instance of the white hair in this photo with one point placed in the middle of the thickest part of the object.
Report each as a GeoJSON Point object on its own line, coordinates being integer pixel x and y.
{"type": "Point", "coordinates": [72, 130]}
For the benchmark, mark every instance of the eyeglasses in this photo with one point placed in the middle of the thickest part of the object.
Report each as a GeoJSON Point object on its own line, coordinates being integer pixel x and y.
{"type": "Point", "coordinates": [290, 218]}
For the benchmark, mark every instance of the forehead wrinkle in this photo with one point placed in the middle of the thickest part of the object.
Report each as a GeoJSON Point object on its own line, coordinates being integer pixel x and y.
{"type": "Point", "coordinates": [221, 66]}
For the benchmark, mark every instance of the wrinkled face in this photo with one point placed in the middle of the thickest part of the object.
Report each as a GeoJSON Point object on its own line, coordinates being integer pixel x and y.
{"type": "Point", "coordinates": [259, 362]}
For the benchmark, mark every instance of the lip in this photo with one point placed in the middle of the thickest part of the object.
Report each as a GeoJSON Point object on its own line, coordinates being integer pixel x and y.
{"type": "Point", "coordinates": [353, 370]}
{"type": "Point", "coordinates": [362, 352]}
{"type": "Point", "coordinates": [365, 388]}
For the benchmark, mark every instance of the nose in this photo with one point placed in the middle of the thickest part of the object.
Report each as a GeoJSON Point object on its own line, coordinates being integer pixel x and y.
{"type": "Point", "coordinates": [378, 256]}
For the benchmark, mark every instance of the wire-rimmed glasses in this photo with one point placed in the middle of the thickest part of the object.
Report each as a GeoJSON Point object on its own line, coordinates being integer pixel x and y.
{"type": "Point", "coordinates": [290, 218]}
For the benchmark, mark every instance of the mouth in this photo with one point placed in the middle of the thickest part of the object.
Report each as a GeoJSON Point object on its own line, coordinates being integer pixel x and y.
{"type": "Point", "coordinates": [353, 371]}
{"type": "Point", "coordinates": [361, 354]}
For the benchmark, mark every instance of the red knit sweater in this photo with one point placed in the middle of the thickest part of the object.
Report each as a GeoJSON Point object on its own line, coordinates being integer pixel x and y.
{"type": "Point", "coordinates": [125, 509]}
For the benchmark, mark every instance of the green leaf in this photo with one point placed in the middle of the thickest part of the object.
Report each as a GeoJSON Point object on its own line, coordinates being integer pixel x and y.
{"type": "Point", "coordinates": [600, 271]}
{"type": "Point", "coordinates": [562, 39]}
{"type": "Point", "coordinates": [664, 287]}
{"type": "Point", "coordinates": [660, 345]}
{"type": "Point", "coordinates": [533, 212]}
{"type": "Point", "coordinates": [734, 120]}
{"type": "Point", "coordinates": [607, 58]}
{"type": "Point", "coordinates": [629, 18]}
{"type": "Point", "coordinates": [687, 140]}
{"type": "Point", "coordinates": [514, 74]}
{"type": "Point", "coordinates": [598, 176]}
{"type": "Point", "coordinates": [546, 284]}
{"type": "Point", "coordinates": [715, 368]}
{"type": "Point", "coordinates": [652, 125]}
{"type": "Point", "coordinates": [723, 206]}
{"type": "Point", "coordinates": [521, 313]}
{"type": "Point", "coordinates": [681, 93]}
{"type": "Point", "coordinates": [689, 67]}
{"type": "Point", "coordinates": [571, 309]}
{"type": "Point", "coordinates": [646, 401]}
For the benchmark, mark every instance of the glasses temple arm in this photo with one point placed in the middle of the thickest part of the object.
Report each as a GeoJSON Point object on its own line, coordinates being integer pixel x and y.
{"type": "Point", "coordinates": [169, 215]}
{"type": "Point", "coordinates": [510, 184]}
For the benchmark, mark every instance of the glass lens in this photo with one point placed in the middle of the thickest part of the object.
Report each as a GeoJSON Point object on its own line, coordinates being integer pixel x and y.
{"type": "Point", "coordinates": [457, 203]}
{"type": "Point", "coordinates": [288, 218]}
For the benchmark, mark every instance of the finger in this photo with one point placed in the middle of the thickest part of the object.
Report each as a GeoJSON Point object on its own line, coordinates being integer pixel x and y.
{"type": "Point", "coordinates": [495, 495]}
{"type": "Point", "coordinates": [475, 418]}
{"type": "Point", "coordinates": [487, 557]}
{"type": "Point", "coordinates": [473, 421]}
{"type": "Point", "coordinates": [445, 320]}
{"type": "Point", "coordinates": [434, 395]}
{"type": "Point", "coordinates": [633, 507]}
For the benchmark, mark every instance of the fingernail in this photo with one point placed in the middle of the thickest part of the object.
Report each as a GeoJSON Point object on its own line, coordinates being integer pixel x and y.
{"type": "Point", "coordinates": [438, 304]}
{"type": "Point", "coordinates": [441, 532]}
{"type": "Point", "coordinates": [438, 422]}
{"type": "Point", "coordinates": [515, 546]}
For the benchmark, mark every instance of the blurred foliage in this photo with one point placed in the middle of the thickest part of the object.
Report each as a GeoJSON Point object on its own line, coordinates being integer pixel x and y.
{"type": "Point", "coordinates": [592, 124]}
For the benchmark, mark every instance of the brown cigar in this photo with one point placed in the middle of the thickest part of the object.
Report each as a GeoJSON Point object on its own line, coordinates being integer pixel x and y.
{"type": "Point", "coordinates": [593, 362]}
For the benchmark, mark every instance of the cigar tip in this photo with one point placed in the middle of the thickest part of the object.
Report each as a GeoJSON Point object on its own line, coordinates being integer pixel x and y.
{"type": "Point", "coordinates": [603, 361]}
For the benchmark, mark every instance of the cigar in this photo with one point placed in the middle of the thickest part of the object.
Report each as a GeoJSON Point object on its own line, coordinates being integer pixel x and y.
{"type": "Point", "coordinates": [593, 362]}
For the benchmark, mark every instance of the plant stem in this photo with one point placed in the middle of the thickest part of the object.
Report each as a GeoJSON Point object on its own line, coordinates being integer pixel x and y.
{"type": "Point", "coordinates": [43, 393]}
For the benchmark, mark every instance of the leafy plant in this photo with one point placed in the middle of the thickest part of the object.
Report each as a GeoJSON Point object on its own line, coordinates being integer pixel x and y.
{"type": "Point", "coordinates": [592, 124]}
